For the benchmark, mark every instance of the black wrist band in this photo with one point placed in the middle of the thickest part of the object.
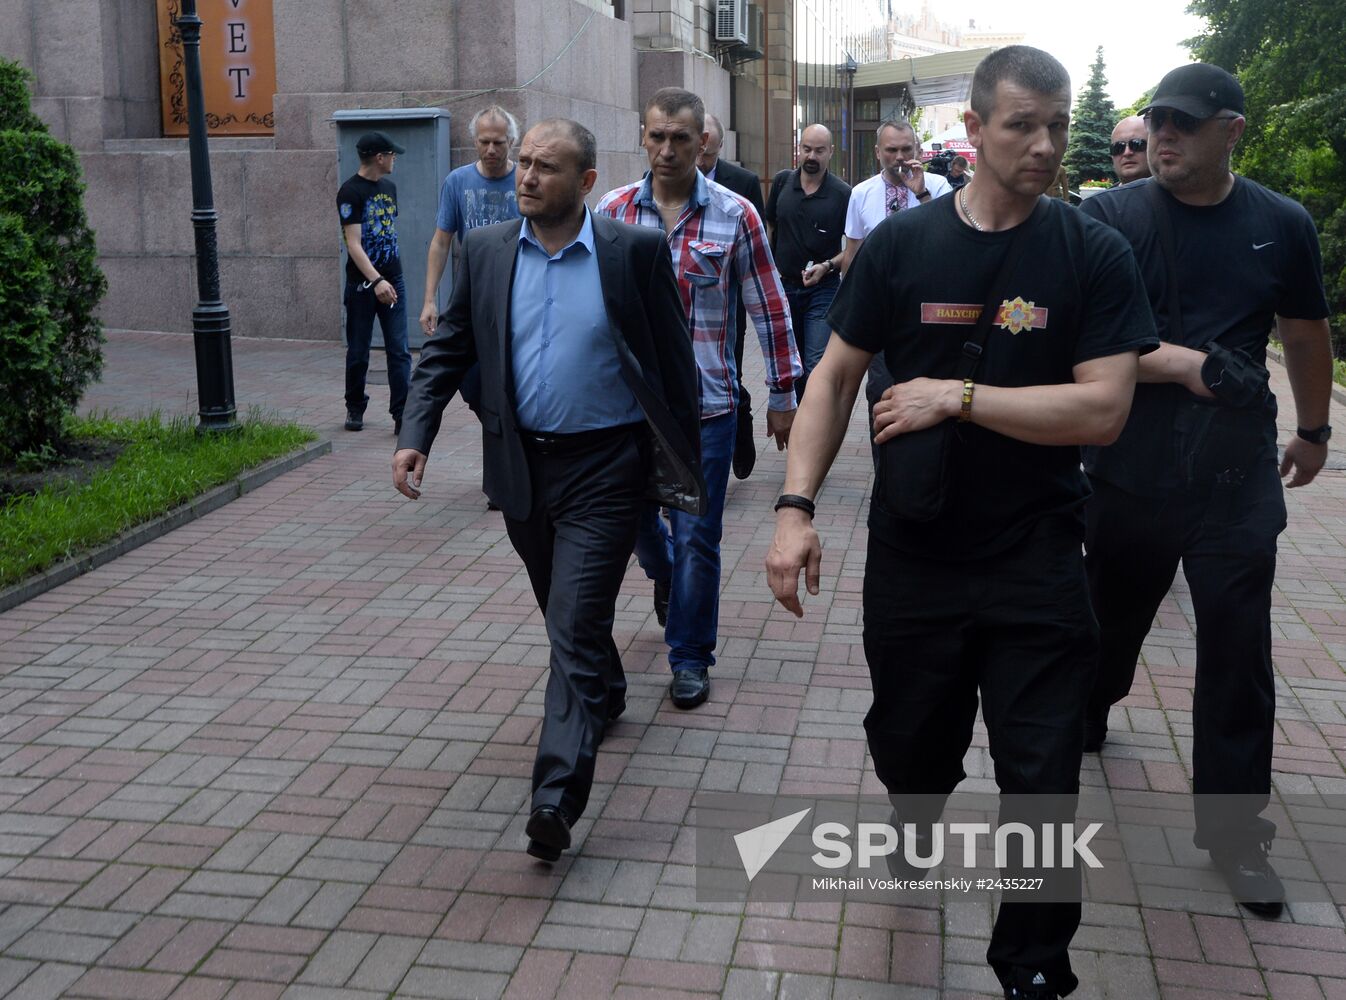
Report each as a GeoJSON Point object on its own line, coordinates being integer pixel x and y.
{"type": "Point", "coordinates": [796, 501]}
{"type": "Point", "coordinates": [1318, 435]}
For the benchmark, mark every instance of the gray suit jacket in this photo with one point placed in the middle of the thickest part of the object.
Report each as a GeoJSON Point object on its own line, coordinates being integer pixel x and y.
{"type": "Point", "coordinates": [653, 344]}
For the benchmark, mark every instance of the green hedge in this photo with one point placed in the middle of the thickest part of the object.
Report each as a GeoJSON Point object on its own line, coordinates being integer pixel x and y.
{"type": "Point", "coordinates": [49, 277]}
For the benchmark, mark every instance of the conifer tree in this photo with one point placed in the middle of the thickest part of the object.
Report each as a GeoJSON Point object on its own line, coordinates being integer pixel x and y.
{"type": "Point", "coordinates": [1091, 129]}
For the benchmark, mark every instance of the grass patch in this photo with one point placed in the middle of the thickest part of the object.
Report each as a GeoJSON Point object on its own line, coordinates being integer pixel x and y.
{"type": "Point", "coordinates": [160, 466]}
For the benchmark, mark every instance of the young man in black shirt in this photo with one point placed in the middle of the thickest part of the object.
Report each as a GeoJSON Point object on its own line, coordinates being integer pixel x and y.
{"type": "Point", "coordinates": [988, 596]}
{"type": "Point", "coordinates": [1193, 476]}
{"type": "Point", "coordinates": [806, 211]}
{"type": "Point", "coordinates": [367, 205]}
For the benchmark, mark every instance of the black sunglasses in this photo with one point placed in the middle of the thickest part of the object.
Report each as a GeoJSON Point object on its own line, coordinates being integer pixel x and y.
{"type": "Point", "coordinates": [1136, 146]}
{"type": "Point", "coordinates": [1156, 118]}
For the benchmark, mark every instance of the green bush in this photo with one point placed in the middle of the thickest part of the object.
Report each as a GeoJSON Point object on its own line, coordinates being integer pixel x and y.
{"type": "Point", "coordinates": [57, 279]}
{"type": "Point", "coordinates": [30, 408]}
{"type": "Point", "coordinates": [15, 112]}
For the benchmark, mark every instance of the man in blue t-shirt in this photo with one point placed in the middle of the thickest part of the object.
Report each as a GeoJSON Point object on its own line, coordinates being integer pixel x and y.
{"type": "Point", "coordinates": [478, 194]}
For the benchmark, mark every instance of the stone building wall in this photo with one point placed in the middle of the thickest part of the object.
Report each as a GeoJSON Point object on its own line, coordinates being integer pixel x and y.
{"type": "Point", "coordinates": [96, 64]}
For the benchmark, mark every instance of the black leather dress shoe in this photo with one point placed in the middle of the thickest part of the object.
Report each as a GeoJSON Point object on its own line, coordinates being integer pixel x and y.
{"type": "Point", "coordinates": [1251, 879]}
{"type": "Point", "coordinates": [690, 687]}
{"type": "Point", "coordinates": [548, 833]}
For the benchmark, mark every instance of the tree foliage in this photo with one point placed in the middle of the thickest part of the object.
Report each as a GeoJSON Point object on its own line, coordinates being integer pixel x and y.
{"type": "Point", "coordinates": [1292, 65]}
{"type": "Point", "coordinates": [51, 282]}
{"type": "Point", "coordinates": [1091, 129]}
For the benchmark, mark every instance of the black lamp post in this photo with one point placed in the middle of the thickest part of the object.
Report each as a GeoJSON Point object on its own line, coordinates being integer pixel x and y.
{"type": "Point", "coordinates": [210, 318]}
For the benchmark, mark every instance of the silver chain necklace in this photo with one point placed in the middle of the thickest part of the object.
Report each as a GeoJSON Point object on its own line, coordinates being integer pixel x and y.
{"type": "Point", "coordinates": [962, 201]}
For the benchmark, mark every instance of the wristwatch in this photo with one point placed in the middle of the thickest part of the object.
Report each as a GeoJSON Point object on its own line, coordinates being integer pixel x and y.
{"type": "Point", "coordinates": [1319, 435]}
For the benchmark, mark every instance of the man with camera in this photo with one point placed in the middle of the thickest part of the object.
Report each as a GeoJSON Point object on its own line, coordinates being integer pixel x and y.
{"type": "Point", "coordinates": [1194, 476]}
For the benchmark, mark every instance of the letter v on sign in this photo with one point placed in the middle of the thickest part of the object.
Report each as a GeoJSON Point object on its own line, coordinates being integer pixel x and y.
{"type": "Point", "coordinates": [235, 3]}
{"type": "Point", "coordinates": [757, 846]}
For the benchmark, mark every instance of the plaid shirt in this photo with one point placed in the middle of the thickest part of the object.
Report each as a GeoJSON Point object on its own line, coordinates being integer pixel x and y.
{"type": "Point", "coordinates": [718, 242]}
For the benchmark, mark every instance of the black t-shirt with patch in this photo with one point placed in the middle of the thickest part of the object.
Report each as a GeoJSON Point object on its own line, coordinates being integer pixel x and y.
{"type": "Point", "coordinates": [373, 204]}
{"type": "Point", "coordinates": [1240, 264]}
{"type": "Point", "coordinates": [914, 292]}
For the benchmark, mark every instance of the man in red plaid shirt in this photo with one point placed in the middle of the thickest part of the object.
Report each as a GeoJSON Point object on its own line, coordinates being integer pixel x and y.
{"type": "Point", "coordinates": [718, 244]}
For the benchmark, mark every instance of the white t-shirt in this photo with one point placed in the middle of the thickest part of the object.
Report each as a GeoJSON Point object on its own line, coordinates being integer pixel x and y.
{"type": "Point", "coordinates": [868, 206]}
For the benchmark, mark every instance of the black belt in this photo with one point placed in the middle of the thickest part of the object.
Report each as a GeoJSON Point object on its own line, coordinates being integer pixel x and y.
{"type": "Point", "coordinates": [545, 443]}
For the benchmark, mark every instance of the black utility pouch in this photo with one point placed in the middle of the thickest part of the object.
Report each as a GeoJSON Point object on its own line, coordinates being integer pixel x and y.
{"type": "Point", "coordinates": [913, 473]}
{"type": "Point", "coordinates": [1234, 377]}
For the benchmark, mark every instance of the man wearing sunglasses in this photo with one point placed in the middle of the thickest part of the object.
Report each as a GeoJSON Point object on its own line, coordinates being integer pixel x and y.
{"type": "Point", "coordinates": [1194, 476]}
{"type": "Point", "coordinates": [1129, 140]}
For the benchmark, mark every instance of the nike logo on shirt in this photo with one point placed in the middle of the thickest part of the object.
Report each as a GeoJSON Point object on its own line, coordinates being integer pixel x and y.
{"type": "Point", "coordinates": [1259, 246]}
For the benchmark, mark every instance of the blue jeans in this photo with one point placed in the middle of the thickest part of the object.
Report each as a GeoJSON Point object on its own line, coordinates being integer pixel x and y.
{"type": "Point", "coordinates": [361, 308]}
{"type": "Point", "coordinates": [689, 558]}
{"type": "Point", "coordinates": [808, 314]}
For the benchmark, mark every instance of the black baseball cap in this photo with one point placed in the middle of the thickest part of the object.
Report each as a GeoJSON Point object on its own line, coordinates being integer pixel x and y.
{"type": "Point", "coordinates": [1199, 89]}
{"type": "Point", "coordinates": [372, 143]}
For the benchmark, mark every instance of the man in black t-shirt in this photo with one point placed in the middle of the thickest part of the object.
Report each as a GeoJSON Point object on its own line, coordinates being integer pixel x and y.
{"type": "Point", "coordinates": [1193, 476]}
{"type": "Point", "coordinates": [807, 215]}
{"type": "Point", "coordinates": [367, 206]}
{"type": "Point", "coordinates": [988, 596]}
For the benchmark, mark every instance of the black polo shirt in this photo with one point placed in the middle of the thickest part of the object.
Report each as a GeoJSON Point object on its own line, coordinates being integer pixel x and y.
{"type": "Point", "coordinates": [806, 227]}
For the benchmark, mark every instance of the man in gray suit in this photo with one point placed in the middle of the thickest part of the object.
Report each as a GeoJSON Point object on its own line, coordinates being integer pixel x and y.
{"type": "Point", "coordinates": [588, 409]}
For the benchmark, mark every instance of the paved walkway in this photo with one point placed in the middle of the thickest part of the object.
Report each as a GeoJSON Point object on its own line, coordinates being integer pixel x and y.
{"type": "Point", "coordinates": [284, 751]}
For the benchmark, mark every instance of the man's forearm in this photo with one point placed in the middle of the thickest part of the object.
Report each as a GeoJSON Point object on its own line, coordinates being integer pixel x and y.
{"type": "Point", "coordinates": [1308, 362]}
{"type": "Point", "coordinates": [1171, 363]}
{"type": "Point", "coordinates": [818, 430]}
{"type": "Point", "coordinates": [1091, 410]}
{"type": "Point", "coordinates": [435, 260]}
{"type": "Point", "coordinates": [1069, 414]}
{"type": "Point", "coordinates": [361, 261]}
{"type": "Point", "coordinates": [848, 254]}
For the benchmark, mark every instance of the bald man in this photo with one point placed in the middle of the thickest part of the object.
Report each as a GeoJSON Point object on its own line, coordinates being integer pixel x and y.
{"type": "Point", "coordinates": [806, 211]}
{"type": "Point", "coordinates": [1129, 140]}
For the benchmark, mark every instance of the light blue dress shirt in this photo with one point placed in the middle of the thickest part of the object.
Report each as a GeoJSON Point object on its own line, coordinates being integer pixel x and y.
{"type": "Point", "coordinates": [567, 377]}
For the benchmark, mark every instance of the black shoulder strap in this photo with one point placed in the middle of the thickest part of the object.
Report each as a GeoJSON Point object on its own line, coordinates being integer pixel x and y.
{"type": "Point", "coordinates": [1164, 225]}
{"type": "Point", "coordinates": [976, 344]}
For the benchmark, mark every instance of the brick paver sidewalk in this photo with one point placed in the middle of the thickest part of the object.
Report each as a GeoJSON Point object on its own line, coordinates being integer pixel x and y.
{"type": "Point", "coordinates": [284, 751]}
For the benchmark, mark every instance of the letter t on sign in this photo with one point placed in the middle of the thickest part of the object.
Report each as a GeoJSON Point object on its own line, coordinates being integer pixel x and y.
{"type": "Point", "coordinates": [238, 73]}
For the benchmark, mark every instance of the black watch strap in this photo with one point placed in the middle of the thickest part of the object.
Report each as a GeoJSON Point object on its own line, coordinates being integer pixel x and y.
{"type": "Point", "coordinates": [1318, 435]}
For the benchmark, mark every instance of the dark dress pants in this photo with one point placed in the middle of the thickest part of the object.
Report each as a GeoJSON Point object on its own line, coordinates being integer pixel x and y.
{"type": "Point", "coordinates": [576, 544]}
{"type": "Point", "coordinates": [1015, 627]}
{"type": "Point", "coordinates": [1225, 537]}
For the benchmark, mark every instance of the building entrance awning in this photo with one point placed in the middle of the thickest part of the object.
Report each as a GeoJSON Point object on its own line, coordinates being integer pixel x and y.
{"type": "Point", "coordinates": [941, 78]}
